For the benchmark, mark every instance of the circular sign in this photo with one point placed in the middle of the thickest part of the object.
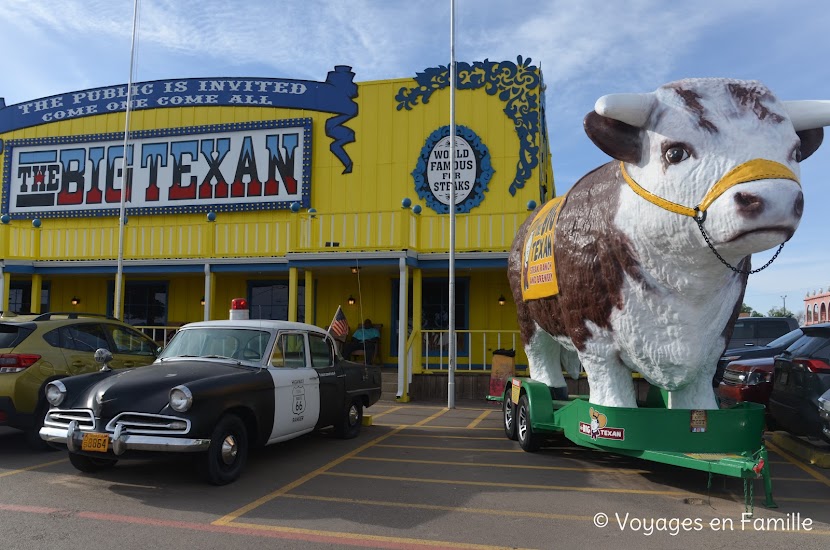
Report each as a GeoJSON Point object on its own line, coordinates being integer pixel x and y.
{"type": "Point", "coordinates": [471, 170]}
{"type": "Point", "coordinates": [440, 168]}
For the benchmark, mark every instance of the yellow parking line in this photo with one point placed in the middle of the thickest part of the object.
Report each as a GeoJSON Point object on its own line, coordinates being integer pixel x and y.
{"type": "Point", "coordinates": [445, 427]}
{"type": "Point", "coordinates": [820, 477]}
{"type": "Point", "coordinates": [478, 420]}
{"type": "Point", "coordinates": [387, 411]}
{"type": "Point", "coordinates": [494, 484]}
{"type": "Point", "coordinates": [465, 509]}
{"type": "Point", "coordinates": [29, 468]}
{"type": "Point", "coordinates": [430, 448]}
{"type": "Point", "coordinates": [442, 436]}
{"type": "Point", "coordinates": [502, 466]}
{"type": "Point", "coordinates": [226, 519]}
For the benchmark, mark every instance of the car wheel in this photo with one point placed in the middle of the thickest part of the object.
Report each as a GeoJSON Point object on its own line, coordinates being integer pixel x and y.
{"type": "Point", "coordinates": [348, 427]}
{"type": "Point", "coordinates": [33, 439]}
{"type": "Point", "coordinates": [528, 441]}
{"type": "Point", "coordinates": [228, 451]}
{"type": "Point", "coordinates": [90, 465]}
{"type": "Point", "coordinates": [509, 418]}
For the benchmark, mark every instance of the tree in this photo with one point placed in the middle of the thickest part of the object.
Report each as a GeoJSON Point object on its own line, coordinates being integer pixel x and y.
{"type": "Point", "coordinates": [780, 312]}
{"type": "Point", "coordinates": [748, 309]}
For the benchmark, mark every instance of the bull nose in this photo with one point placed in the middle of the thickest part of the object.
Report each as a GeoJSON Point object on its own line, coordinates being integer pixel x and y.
{"type": "Point", "coordinates": [749, 205]}
{"type": "Point", "coordinates": [798, 207]}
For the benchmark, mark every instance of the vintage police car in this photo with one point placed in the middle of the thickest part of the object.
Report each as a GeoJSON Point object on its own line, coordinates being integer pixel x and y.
{"type": "Point", "coordinates": [218, 388]}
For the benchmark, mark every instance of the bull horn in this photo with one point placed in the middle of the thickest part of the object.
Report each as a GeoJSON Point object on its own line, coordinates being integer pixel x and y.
{"type": "Point", "coordinates": [633, 109]}
{"type": "Point", "coordinates": [808, 114]}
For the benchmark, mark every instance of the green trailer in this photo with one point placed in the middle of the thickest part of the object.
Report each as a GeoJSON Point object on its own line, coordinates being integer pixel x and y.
{"type": "Point", "coordinates": [724, 441]}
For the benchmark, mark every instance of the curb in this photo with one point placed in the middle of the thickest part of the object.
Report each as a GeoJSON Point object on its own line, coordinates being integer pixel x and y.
{"type": "Point", "coordinates": [802, 449]}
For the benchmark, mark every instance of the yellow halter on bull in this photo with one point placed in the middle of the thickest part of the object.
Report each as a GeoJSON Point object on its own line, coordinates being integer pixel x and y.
{"type": "Point", "coordinates": [753, 170]}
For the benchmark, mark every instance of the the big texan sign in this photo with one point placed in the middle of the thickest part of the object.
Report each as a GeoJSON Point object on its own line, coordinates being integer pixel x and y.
{"type": "Point", "coordinates": [264, 165]}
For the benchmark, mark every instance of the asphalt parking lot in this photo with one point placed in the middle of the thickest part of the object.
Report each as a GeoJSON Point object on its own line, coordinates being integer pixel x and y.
{"type": "Point", "coordinates": [421, 476]}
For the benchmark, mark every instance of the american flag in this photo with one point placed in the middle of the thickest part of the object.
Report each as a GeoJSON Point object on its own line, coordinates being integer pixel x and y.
{"type": "Point", "coordinates": [339, 325]}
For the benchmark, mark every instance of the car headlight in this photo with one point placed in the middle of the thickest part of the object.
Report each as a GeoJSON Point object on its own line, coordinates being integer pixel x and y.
{"type": "Point", "coordinates": [180, 398]}
{"type": "Point", "coordinates": [55, 393]}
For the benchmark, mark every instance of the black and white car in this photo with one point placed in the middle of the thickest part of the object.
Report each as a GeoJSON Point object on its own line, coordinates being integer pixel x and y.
{"type": "Point", "coordinates": [217, 389]}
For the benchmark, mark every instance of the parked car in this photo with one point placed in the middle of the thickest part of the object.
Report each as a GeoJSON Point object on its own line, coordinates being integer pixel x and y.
{"type": "Point", "coordinates": [824, 413]}
{"type": "Point", "coordinates": [218, 388]}
{"type": "Point", "coordinates": [802, 375]}
{"type": "Point", "coordinates": [37, 349]}
{"type": "Point", "coordinates": [754, 352]}
{"type": "Point", "coordinates": [746, 380]}
{"type": "Point", "coordinates": [757, 331]}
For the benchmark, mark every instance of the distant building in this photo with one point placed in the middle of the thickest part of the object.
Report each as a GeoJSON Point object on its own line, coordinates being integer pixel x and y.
{"type": "Point", "coordinates": [816, 306]}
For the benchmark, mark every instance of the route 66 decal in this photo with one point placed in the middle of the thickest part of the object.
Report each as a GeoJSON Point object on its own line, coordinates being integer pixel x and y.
{"type": "Point", "coordinates": [299, 399]}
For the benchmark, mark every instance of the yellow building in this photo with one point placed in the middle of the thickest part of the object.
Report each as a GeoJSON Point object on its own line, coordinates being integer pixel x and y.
{"type": "Point", "coordinates": [300, 196]}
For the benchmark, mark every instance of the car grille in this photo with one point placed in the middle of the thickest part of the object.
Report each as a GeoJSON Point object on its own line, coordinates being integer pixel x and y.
{"type": "Point", "coordinates": [733, 377]}
{"type": "Point", "coordinates": [61, 418]}
{"type": "Point", "coordinates": [142, 423]}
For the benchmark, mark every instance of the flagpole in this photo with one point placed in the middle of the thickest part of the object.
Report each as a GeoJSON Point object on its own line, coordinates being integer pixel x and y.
{"type": "Point", "coordinates": [452, 342]}
{"type": "Point", "coordinates": [119, 274]}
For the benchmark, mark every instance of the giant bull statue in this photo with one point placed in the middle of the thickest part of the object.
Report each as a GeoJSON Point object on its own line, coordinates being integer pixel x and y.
{"type": "Point", "coordinates": [643, 264]}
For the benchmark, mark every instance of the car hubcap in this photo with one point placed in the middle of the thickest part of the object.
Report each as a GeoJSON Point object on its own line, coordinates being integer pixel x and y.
{"type": "Point", "coordinates": [229, 449]}
{"type": "Point", "coordinates": [508, 417]}
{"type": "Point", "coordinates": [353, 415]}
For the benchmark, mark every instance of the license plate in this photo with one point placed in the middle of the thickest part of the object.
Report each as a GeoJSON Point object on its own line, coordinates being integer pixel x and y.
{"type": "Point", "coordinates": [96, 443]}
{"type": "Point", "coordinates": [785, 377]}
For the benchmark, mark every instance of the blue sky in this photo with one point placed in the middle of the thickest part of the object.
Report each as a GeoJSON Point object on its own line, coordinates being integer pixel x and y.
{"type": "Point", "coordinates": [586, 48]}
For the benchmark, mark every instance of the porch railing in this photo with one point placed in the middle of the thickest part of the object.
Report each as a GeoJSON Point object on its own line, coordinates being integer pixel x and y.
{"type": "Point", "coordinates": [474, 349]}
{"type": "Point", "coordinates": [159, 237]}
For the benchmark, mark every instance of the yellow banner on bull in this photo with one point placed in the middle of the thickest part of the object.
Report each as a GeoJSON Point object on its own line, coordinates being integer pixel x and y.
{"type": "Point", "coordinates": [538, 267]}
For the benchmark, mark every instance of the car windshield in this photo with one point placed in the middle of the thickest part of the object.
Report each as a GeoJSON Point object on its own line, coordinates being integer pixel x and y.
{"type": "Point", "coordinates": [231, 343]}
{"type": "Point", "coordinates": [786, 340]}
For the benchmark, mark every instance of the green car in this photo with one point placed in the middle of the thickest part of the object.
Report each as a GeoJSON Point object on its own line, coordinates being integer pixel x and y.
{"type": "Point", "coordinates": [34, 350]}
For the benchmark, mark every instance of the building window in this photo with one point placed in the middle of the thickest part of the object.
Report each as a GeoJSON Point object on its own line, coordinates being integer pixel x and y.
{"type": "Point", "coordinates": [269, 300]}
{"type": "Point", "coordinates": [20, 297]}
{"type": "Point", "coordinates": [145, 302]}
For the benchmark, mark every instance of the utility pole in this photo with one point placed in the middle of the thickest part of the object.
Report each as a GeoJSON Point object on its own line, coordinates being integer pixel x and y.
{"type": "Point", "coordinates": [784, 298]}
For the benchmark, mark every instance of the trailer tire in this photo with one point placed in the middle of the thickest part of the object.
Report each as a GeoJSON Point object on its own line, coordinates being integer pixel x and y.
{"type": "Point", "coordinates": [508, 416]}
{"type": "Point", "coordinates": [528, 441]}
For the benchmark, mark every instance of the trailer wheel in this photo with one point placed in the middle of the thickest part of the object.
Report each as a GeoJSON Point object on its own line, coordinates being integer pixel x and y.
{"type": "Point", "coordinates": [509, 418]}
{"type": "Point", "coordinates": [528, 441]}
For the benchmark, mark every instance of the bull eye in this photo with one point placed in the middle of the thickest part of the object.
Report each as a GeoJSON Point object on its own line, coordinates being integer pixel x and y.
{"type": "Point", "coordinates": [796, 154]}
{"type": "Point", "coordinates": [676, 154]}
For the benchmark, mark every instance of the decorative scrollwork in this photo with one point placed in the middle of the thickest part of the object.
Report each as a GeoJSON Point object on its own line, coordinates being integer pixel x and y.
{"type": "Point", "coordinates": [518, 85]}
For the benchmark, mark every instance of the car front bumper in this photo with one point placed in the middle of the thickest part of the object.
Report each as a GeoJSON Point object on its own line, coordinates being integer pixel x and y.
{"type": "Point", "coordinates": [121, 442]}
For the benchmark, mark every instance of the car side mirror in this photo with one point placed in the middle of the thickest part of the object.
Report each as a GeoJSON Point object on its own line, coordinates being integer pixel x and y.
{"type": "Point", "coordinates": [103, 357]}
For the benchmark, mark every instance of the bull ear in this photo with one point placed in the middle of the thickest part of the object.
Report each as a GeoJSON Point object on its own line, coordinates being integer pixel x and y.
{"type": "Point", "coordinates": [810, 141]}
{"type": "Point", "coordinates": [614, 138]}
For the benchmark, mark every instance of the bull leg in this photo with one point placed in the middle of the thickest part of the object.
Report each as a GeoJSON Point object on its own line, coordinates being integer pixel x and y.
{"type": "Point", "coordinates": [610, 380]}
{"type": "Point", "coordinates": [695, 395]}
{"type": "Point", "coordinates": [544, 359]}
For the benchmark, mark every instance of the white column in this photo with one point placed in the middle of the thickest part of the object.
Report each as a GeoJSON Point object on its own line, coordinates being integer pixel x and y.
{"type": "Point", "coordinates": [403, 314]}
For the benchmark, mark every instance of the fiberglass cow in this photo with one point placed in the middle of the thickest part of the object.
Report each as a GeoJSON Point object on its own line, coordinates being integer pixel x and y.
{"type": "Point", "coordinates": [642, 265]}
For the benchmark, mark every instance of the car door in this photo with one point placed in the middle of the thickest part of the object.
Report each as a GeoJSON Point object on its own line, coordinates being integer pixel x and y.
{"type": "Point", "coordinates": [332, 380]}
{"type": "Point", "coordinates": [296, 387]}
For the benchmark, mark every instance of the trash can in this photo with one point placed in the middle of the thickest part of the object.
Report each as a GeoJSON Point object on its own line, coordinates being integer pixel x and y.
{"type": "Point", "coordinates": [502, 370]}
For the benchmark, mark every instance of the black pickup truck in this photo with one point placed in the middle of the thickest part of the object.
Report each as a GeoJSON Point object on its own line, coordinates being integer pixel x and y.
{"type": "Point", "coordinates": [217, 389]}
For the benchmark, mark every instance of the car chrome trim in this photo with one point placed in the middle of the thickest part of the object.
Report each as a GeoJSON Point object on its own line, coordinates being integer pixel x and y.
{"type": "Point", "coordinates": [144, 423]}
{"type": "Point", "coordinates": [64, 417]}
{"type": "Point", "coordinates": [72, 437]}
